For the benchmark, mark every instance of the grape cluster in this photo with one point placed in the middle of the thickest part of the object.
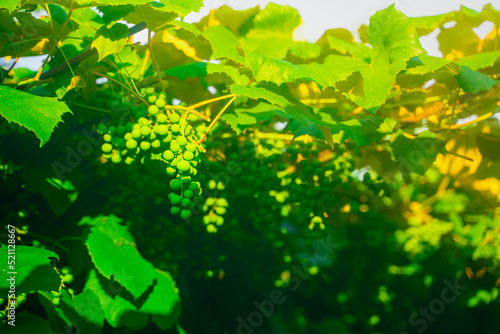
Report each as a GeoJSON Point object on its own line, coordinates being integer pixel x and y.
{"type": "Point", "coordinates": [140, 133]}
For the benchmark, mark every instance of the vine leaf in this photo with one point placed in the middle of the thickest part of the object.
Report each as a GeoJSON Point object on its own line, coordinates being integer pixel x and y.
{"type": "Point", "coordinates": [418, 154]}
{"type": "Point", "coordinates": [241, 118]}
{"type": "Point", "coordinates": [34, 271]}
{"type": "Point", "coordinates": [118, 311]}
{"type": "Point", "coordinates": [480, 60]}
{"type": "Point", "coordinates": [38, 114]}
{"type": "Point", "coordinates": [224, 43]}
{"type": "Point", "coordinates": [114, 253]}
{"type": "Point", "coordinates": [11, 5]}
{"type": "Point", "coordinates": [164, 302]}
{"type": "Point", "coordinates": [28, 323]}
{"type": "Point", "coordinates": [473, 81]}
{"type": "Point", "coordinates": [110, 40]}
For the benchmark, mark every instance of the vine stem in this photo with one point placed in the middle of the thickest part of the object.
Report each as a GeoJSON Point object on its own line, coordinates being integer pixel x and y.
{"type": "Point", "coordinates": [54, 47]}
{"type": "Point", "coordinates": [118, 83]}
{"type": "Point", "coordinates": [153, 59]}
{"type": "Point", "coordinates": [474, 121]}
{"type": "Point", "coordinates": [216, 118]}
{"type": "Point", "coordinates": [46, 239]}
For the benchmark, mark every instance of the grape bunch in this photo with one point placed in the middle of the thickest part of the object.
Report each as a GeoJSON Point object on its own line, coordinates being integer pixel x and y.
{"type": "Point", "coordinates": [157, 132]}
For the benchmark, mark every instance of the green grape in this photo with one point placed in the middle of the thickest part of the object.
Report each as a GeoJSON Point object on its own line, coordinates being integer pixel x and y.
{"type": "Point", "coordinates": [153, 109]}
{"type": "Point", "coordinates": [156, 143]}
{"type": "Point", "coordinates": [162, 96]}
{"type": "Point", "coordinates": [188, 155]}
{"type": "Point", "coordinates": [176, 200]}
{"type": "Point", "coordinates": [187, 193]}
{"type": "Point", "coordinates": [175, 210]}
{"type": "Point", "coordinates": [152, 98]}
{"type": "Point", "coordinates": [193, 118]}
{"type": "Point", "coordinates": [171, 170]}
{"type": "Point", "coordinates": [176, 185]}
{"type": "Point", "coordinates": [175, 128]}
{"type": "Point", "coordinates": [168, 155]}
{"type": "Point", "coordinates": [129, 160]}
{"type": "Point", "coordinates": [186, 202]}
{"type": "Point", "coordinates": [107, 138]}
{"type": "Point", "coordinates": [107, 148]}
{"type": "Point", "coordinates": [191, 147]}
{"type": "Point", "coordinates": [174, 147]}
{"type": "Point", "coordinates": [185, 214]}
{"type": "Point", "coordinates": [162, 129]}
{"type": "Point", "coordinates": [145, 130]}
{"type": "Point", "coordinates": [160, 103]}
{"type": "Point", "coordinates": [131, 144]}
{"type": "Point", "coordinates": [174, 118]}
{"type": "Point", "coordinates": [186, 179]}
{"type": "Point", "coordinates": [145, 145]}
{"type": "Point", "coordinates": [182, 141]}
{"type": "Point", "coordinates": [161, 118]}
{"type": "Point", "coordinates": [183, 166]}
{"type": "Point", "coordinates": [116, 158]}
{"type": "Point", "coordinates": [220, 210]}
{"type": "Point", "coordinates": [136, 133]}
{"type": "Point", "coordinates": [120, 131]}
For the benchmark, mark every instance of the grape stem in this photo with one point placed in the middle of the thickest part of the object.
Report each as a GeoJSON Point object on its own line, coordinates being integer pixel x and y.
{"type": "Point", "coordinates": [216, 118]}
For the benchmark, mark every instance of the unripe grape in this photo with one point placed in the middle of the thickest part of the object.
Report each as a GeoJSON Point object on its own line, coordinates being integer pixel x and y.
{"type": "Point", "coordinates": [129, 160]}
{"type": "Point", "coordinates": [120, 142]}
{"type": "Point", "coordinates": [191, 147]}
{"type": "Point", "coordinates": [161, 118]}
{"type": "Point", "coordinates": [192, 117]}
{"type": "Point", "coordinates": [120, 130]}
{"type": "Point", "coordinates": [181, 140]}
{"type": "Point", "coordinates": [145, 145]}
{"type": "Point", "coordinates": [107, 155]}
{"type": "Point", "coordinates": [187, 193]}
{"type": "Point", "coordinates": [152, 98]}
{"type": "Point", "coordinates": [183, 166]}
{"type": "Point", "coordinates": [145, 130]}
{"type": "Point", "coordinates": [162, 96]}
{"type": "Point", "coordinates": [174, 118]}
{"type": "Point", "coordinates": [175, 185]}
{"type": "Point", "coordinates": [162, 129]}
{"type": "Point", "coordinates": [186, 202]}
{"type": "Point", "coordinates": [106, 147]}
{"type": "Point", "coordinates": [131, 144]}
{"type": "Point", "coordinates": [174, 147]}
{"type": "Point", "coordinates": [176, 200]}
{"type": "Point", "coordinates": [136, 133]}
{"type": "Point", "coordinates": [153, 109]}
{"type": "Point", "coordinates": [127, 136]}
{"type": "Point", "coordinates": [168, 155]}
{"type": "Point", "coordinates": [188, 155]}
{"type": "Point", "coordinates": [116, 158]}
{"type": "Point", "coordinates": [186, 179]}
{"type": "Point", "coordinates": [175, 210]}
{"type": "Point", "coordinates": [107, 138]}
{"type": "Point", "coordinates": [220, 210]}
{"type": "Point", "coordinates": [171, 170]}
{"type": "Point", "coordinates": [185, 214]}
{"type": "Point", "coordinates": [176, 128]}
{"type": "Point", "coordinates": [160, 103]}
{"type": "Point", "coordinates": [156, 143]}
{"type": "Point", "coordinates": [101, 128]}
{"type": "Point", "coordinates": [143, 121]}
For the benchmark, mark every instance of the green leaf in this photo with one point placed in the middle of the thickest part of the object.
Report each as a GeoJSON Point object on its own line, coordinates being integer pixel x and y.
{"type": "Point", "coordinates": [37, 114]}
{"type": "Point", "coordinates": [305, 50]}
{"type": "Point", "coordinates": [224, 43]}
{"type": "Point", "coordinates": [480, 60]}
{"type": "Point", "coordinates": [337, 69]}
{"type": "Point", "coordinates": [11, 5]}
{"type": "Point", "coordinates": [110, 40]}
{"type": "Point", "coordinates": [118, 311]}
{"type": "Point", "coordinates": [429, 64]}
{"type": "Point", "coordinates": [164, 302]}
{"type": "Point", "coordinates": [114, 253]}
{"type": "Point", "coordinates": [362, 131]}
{"type": "Point", "coordinates": [33, 268]}
{"type": "Point", "coordinates": [154, 16]}
{"type": "Point", "coordinates": [273, 16]}
{"type": "Point", "coordinates": [473, 81]}
{"type": "Point", "coordinates": [418, 154]}
{"type": "Point", "coordinates": [114, 13]}
{"type": "Point", "coordinates": [269, 45]}
{"type": "Point", "coordinates": [83, 311]}
{"type": "Point", "coordinates": [28, 323]}
{"type": "Point", "coordinates": [85, 3]}
{"type": "Point", "coordinates": [203, 69]}
{"type": "Point", "coordinates": [236, 20]}
{"type": "Point", "coordinates": [242, 118]}
{"type": "Point", "coordinates": [282, 97]}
